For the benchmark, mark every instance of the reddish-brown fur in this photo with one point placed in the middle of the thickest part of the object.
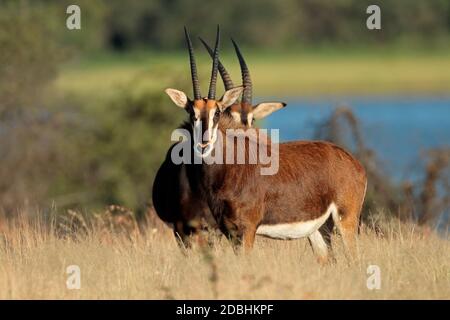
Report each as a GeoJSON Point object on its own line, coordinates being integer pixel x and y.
{"type": "Point", "coordinates": [312, 175]}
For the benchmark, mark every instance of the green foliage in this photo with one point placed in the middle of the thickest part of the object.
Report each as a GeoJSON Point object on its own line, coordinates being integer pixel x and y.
{"type": "Point", "coordinates": [28, 58]}
{"type": "Point", "coordinates": [129, 137]}
{"type": "Point", "coordinates": [29, 135]}
{"type": "Point", "coordinates": [283, 24]}
{"type": "Point", "coordinates": [94, 149]}
{"type": "Point", "coordinates": [131, 24]}
{"type": "Point", "coordinates": [70, 150]}
{"type": "Point", "coordinates": [114, 146]}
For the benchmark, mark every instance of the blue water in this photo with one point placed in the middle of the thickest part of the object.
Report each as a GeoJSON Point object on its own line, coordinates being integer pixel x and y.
{"type": "Point", "coordinates": [399, 129]}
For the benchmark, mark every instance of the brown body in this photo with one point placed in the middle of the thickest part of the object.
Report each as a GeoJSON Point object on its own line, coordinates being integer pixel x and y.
{"type": "Point", "coordinates": [175, 198]}
{"type": "Point", "coordinates": [316, 183]}
{"type": "Point", "coordinates": [312, 176]}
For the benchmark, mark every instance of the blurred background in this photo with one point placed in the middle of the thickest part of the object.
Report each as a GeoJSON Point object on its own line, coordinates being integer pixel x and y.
{"type": "Point", "coordinates": [84, 121]}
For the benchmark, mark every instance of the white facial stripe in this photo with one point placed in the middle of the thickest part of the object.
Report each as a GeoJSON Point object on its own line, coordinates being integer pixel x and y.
{"type": "Point", "coordinates": [197, 127]}
{"type": "Point", "coordinates": [212, 129]}
{"type": "Point", "coordinates": [250, 118]}
{"type": "Point", "coordinates": [297, 229]}
{"type": "Point", "coordinates": [211, 132]}
{"type": "Point", "coordinates": [211, 123]}
{"type": "Point", "coordinates": [214, 135]}
{"type": "Point", "coordinates": [196, 113]}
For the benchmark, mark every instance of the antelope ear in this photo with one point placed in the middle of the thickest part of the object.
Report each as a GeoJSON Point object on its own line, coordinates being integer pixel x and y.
{"type": "Point", "coordinates": [230, 97]}
{"type": "Point", "coordinates": [263, 109]}
{"type": "Point", "coordinates": [178, 97]}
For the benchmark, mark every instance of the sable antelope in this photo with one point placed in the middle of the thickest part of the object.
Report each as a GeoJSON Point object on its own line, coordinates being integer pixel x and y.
{"type": "Point", "coordinates": [244, 112]}
{"type": "Point", "coordinates": [317, 182]}
{"type": "Point", "coordinates": [174, 199]}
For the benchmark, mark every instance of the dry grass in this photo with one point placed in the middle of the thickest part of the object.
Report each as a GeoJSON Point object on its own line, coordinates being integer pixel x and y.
{"type": "Point", "coordinates": [118, 261]}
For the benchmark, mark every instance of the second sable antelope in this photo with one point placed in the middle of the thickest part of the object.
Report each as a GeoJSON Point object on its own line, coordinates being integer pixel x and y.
{"type": "Point", "coordinates": [317, 182]}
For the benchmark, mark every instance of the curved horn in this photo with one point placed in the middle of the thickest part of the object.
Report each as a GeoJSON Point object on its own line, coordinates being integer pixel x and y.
{"type": "Point", "coordinates": [212, 84]}
{"type": "Point", "coordinates": [246, 80]}
{"type": "Point", "coordinates": [227, 82]}
{"type": "Point", "coordinates": [195, 83]}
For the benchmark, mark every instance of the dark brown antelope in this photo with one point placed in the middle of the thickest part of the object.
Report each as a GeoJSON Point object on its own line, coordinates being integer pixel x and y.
{"type": "Point", "coordinates": [316, 181]}
{"type": "Point", "coordinates": [244, 112]}
{"type": "Point", "coordinates": [173, 197]}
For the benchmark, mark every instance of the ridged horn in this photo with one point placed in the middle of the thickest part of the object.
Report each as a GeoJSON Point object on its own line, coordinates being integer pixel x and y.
{"type": "Point", "coordinates": [215, 64]}
{"type": "Point", "coordinates": [194, 75]}
{"type": "Point", "coordinates": [226, 78]}
{"type": "Point", "coordinates": [246, 79]}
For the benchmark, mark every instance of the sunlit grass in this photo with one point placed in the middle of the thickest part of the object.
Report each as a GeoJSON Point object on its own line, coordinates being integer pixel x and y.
{"type": "Point", "coordinates": [281, 74]}
{"type": "Point", "coordinates": [125, 264]}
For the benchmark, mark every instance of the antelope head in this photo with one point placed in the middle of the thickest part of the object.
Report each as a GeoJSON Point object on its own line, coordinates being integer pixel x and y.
{"type": "Point", "coordinates": [244, 112]}
{"type": "Point", "coordinates": [204, 113]}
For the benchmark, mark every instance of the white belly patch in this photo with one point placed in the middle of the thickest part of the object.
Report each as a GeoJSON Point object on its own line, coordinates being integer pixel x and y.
{"type": "Point", "coordinates": [295, 230]}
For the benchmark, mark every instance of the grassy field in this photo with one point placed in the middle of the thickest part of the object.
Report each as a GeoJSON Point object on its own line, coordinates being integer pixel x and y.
{"type": "Point", "coordinates": [119, 259]}
{"type": "Point", "coordinates": [275, 74]}
{"type": "Point", "coordinates": [414, 264]}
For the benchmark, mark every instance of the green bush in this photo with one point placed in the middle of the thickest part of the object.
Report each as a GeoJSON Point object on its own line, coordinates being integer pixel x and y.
{"type": "Point", "coordinates": [127, 141]}
{"type": "Point", "coordinates": [72, 151]}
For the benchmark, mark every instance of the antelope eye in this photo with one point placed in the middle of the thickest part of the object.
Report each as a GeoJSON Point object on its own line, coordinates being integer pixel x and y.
{"type": "Point", "coordinates": [217, 113]}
